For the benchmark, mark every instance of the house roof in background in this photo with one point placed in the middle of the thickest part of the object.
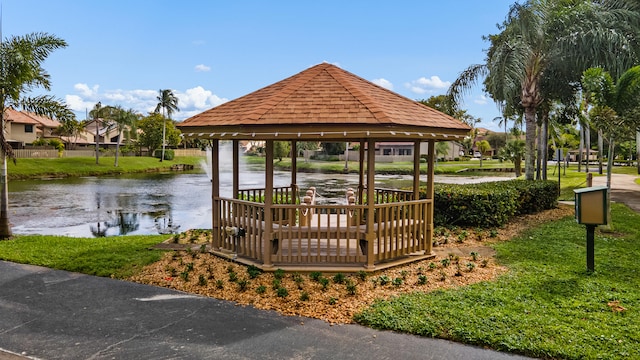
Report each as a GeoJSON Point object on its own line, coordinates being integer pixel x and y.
{"type": "Point", "coordinates": [46, 121]}
{"type": "Point", "coordinates": [19, 117]}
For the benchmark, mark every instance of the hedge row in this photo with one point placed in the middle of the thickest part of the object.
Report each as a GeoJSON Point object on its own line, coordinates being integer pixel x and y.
{"type": "Point", "coordinates": [491, 204]}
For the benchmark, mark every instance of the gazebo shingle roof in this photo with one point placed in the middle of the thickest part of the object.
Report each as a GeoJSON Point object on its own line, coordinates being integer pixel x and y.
{"type": "Point", "coordinates": [327, 96]}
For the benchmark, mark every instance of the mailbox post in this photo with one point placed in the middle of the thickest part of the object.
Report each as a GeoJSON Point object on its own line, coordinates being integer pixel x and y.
{"type": "Point", "coordinates": [591, 210]}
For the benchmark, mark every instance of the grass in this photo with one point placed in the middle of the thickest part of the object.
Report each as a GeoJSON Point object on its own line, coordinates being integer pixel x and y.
{"type": "Point", "coordinates": [86, 166]}
{"type": "Point", "coordinates": [116, 256]}
{"type": "Point", "coordinates": [450, 167]}
{"type": "Point", "coordinates": [548, 305]}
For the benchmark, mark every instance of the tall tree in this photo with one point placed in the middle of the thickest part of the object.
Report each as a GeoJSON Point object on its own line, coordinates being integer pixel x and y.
{"type": "Point", "coordinates": [70, 129]}
{"type": "Point", "coordinates": [168, 102]}
{"type": "Point", "coordinates": [123, 119]}
{"type": "Point", "coordinates": [95, 115]}
{"type": "Point", "coordinates": [151, 132]}
{"type": "Point", "coordinates": [543, 36]}
{"type": "Point", "coordinates": [21, 59]}
{"type": "Point", "coordinates": [615, 105]}
{"type": "Point", "coordinates": [483, 146]}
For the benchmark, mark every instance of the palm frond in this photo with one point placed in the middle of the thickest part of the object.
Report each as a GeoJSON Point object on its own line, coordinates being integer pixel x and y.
{"type": "Point", "coordinates": [465, 81]}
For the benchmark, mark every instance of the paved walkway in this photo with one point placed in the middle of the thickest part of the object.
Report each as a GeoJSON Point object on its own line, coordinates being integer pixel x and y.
{"type": "Point", "coordinates": [51, 314]}
{"type": "Point", "coordinates": [623, 189]}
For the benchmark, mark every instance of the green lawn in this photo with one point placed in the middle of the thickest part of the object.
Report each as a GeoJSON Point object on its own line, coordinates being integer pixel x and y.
{"type": "Point", "coordinates": [86, 166]}
{"type": "Point", "coordinates": [547, 305]}
{"type": "Point", "coordinates": [114, 256]}
{"type": "Point", "coordinates": [449, 167]}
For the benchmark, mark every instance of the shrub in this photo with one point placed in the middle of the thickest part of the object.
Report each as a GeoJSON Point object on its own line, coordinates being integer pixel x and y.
{"type": "Point", "coordinates": [169, 154]}
{"type": "Point", "coordinates": [535, 196]}
{"type": "Point", "coordinates": [315, 275]}
{"type": "Point", "coordinates": [253, 271]}
{"type": "Point", "coordinates": [491, 204]}
{"type": "Point", "coordinates": [282, 292]}
{"type": "Point", "coordinates": [338, 278]}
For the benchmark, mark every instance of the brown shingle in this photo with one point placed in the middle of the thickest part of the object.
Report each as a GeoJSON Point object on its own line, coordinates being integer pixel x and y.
{"type": "Point", "coordinates": [323, 95]}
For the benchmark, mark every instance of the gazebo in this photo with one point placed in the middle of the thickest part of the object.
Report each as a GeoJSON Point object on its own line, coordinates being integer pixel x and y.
{"type": "Point", "coordinates": [283, 227]}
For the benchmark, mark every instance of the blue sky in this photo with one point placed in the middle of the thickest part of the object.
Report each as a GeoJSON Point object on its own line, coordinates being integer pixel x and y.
{"type": "Point", "coordinates": [121, 52]}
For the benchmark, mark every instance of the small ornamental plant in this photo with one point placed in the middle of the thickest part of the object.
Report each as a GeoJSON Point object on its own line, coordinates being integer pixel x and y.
{"type": "Point", "coordinates": [242, 284]}
{"type": "Point", "coordinates": [351, 288]}
{"type": "Point", "coordinates": [384, 280]}
{"type": "Point", "coordinates": [324, 282]}
{"type": "Point", "coordinates": [282, 292]}
{"type": "Point", "coordinates": [233, 277]}
{"type": "Point", "coordinates": [202, 280]}
{"type": "Point", "coordinates": [253, 271]}
{"type": "Point", "coordinates": [279, 274]}
{"type": "Point", "coordinates": [315, 275]}
{"type": "Point", "coordinates": [362, 275]}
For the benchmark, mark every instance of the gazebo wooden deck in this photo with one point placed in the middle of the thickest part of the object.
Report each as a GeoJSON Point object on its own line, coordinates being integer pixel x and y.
{"type": "Point", "coordinates": [281, 228]}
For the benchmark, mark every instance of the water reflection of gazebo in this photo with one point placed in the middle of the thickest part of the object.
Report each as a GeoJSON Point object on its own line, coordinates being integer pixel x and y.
{"type": "Point", "coordinates": [283, 228]}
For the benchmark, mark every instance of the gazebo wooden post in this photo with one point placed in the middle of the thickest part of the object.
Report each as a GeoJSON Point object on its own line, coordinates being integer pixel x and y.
{"type": "Point", "coordinates": [416, 170]}
{"type": "Point", "coordinates": [294, 171]}
{"type": "Point", "coordinates": [267, 241]}
{"type": "Point", "coordinates": [236, 168]}
{"type": "Point", "coordinates": [370, 235]}
{"type": "Point", "coordinates": [428, 237]}
{"type": "Point", "coordinates": [294, 181]}
{"type": "Point", "coordinates": [215, 194]}
{"type": "Point", "coordinates": [361, 172]}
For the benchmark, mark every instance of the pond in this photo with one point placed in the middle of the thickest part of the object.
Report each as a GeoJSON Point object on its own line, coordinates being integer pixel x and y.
{"type": "Point", "coordinates": [151, 203]}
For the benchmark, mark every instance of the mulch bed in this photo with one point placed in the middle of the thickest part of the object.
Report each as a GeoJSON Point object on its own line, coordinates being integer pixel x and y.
{"type": "Point", "coordinates": [202, 273]}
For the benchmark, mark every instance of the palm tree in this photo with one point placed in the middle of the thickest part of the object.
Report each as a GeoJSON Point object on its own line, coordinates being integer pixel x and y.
{"type": "Point", "coordinates": [21, 59]}
{"type": "Point", "coordinates": [615, 105]}
{"type": "Point", "coordinates": [514, 151]}
{"type": "Point", "coordinates": [503, 120]}
{"type": "Point", "coordinates": [168, 102]}
{"type": "Point", "coordinates": [483, 146]}
{"type": "Point", "coordinates": [123, 119]}
{"type": "Point", "coordinates": [540, 39]}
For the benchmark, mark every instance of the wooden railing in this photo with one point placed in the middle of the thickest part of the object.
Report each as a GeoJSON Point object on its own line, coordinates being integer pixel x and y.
{"type": "Point", "coordinates": [281, 195]}
{"type": "Point", "coordinates": [336, 235]}
{"type": "Point", "coordinates": [392, 195]}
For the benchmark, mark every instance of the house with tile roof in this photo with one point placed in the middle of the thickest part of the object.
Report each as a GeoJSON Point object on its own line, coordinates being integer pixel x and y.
{"type": "Point", "coordinates": [21, 128]}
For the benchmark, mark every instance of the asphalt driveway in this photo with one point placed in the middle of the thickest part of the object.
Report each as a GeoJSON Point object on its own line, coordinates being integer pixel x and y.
{"type": "Point", "coordinates": [51, 314]}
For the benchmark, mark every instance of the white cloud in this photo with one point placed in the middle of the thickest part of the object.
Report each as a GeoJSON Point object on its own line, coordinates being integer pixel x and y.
{"type": "Point", "coordinates": [76, 103]}
{"type": "Point", "coordinates": [482, 100]}
{"type": "Point", "coordinates": [383, 83]}
{"type": "Point", "coordinates": [190, 102]}
{"type": "Point", "coordinates": [202, 68]}
{"type": "Point", "coordinates": [86, 91]}
{"type": "Point", "coordinates": [430, 85]}
{"type": "Point", "coordinates": [198, 98]}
